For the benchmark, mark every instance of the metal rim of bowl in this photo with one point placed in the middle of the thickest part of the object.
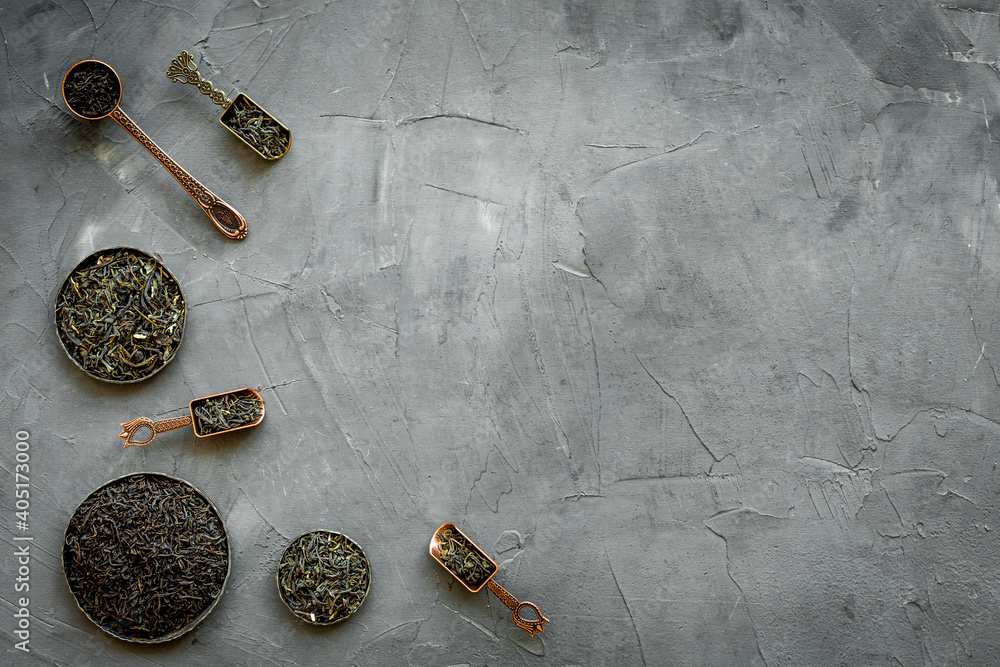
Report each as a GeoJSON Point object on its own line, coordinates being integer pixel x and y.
{"type": "Point", "coordinates": [281, 594]}
{"type": "Point", "coordinates": [82, 262]}
{"type": "Point", "coordinates": [62, 88]}
{"type": "Point", "coordinates": [170, 636]}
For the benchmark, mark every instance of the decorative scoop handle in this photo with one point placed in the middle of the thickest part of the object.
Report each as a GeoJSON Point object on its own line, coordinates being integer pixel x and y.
{"type": "Point", "coordinates": [129, 429]}
{"type": "Point", "coordinates": [529, 625]}
{"type": "Point", "coordinates": [183, 70]}
{"type": "Point", "coordinates": [226, 218]}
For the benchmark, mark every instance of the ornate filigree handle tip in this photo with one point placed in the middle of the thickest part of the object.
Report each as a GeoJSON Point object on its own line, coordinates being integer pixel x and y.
{"type": "Point", "coordinates": [529, 625]}
{"type": "Point", "coordinates": [183, 70]}
{"type": "Point", "coordinates": [129, 430]}
{"type": "Point", "coordinates": [228, 220]}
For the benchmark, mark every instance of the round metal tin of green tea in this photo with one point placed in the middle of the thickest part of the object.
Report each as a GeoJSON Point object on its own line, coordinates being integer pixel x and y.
{"type": "Point", "coordinates": [120, 315]}
{"type": "Point", "coordinates": [323, 577]}
{"type": "Point", "coordinates": [153, 528]}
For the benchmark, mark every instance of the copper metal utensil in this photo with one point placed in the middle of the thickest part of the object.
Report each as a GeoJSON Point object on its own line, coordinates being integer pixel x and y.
{"type": "Point", "coordinates": [92, 90]}
{"type": "Point", "coordinates": [243, 117]}
{"type": "Point", "coordinates": [129, 429]}
{"type": "Point", "coordinates": [441, 542]}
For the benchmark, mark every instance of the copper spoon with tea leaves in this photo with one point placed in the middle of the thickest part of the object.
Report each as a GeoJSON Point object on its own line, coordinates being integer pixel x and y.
{"type": "Point", "coordinates": [474, 569]}
{"type": "Point", "coordinates": [220, 413]}
{"type": "Point", "coordinates": [92, 90]}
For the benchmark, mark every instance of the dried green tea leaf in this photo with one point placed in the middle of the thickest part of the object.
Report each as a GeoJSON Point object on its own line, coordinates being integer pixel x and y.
{"type": "Point", "coordinates": [226, 412]}
{"type": "Point", "coordinates": [464, 559]}
{"type": "Point", "coordinates": [323, 577]}
{"type": "Point", "coordinates": [120, 315]}
{"type": "Point", "coordinates": [256, 127]}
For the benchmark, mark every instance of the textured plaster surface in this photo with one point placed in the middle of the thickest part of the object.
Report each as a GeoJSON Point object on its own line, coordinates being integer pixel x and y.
{"type": "Point", "coordinates": [685, 311]}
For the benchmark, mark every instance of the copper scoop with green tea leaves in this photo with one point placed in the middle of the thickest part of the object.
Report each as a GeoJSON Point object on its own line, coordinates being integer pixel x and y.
{"type": "Point", "coordinates": [474, 569]}
{"type": "Point", "coordinates": [243, 117]}
{"type": "Point", "coordinates": [221, 413]}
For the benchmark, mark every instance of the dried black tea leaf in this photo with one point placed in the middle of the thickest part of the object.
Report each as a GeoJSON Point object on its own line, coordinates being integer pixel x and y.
{"type": "Point", "coordinates": [146, 556]}
{"type": "Point", "coordinates": [92, 89]}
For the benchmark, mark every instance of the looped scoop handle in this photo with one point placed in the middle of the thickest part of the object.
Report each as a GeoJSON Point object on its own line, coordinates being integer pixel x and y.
{"type": "Point", "coordinates": [129, 429]}
{"type": "Point", "coordinates": [529, 625]}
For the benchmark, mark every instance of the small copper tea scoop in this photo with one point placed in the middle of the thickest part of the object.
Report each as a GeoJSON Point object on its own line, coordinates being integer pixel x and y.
{"type": "Point", "coordinates": [92, 90]}
{"type": "Point", "coordinates": [243, 117]}
{"type": "Point", "coordinates": [220, 413]}
{"type": "Point", "coordinates": [474, 569]}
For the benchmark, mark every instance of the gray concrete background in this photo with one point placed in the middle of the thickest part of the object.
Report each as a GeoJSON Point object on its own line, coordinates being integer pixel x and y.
{"type": "Point", "coordinates": [685, 311]}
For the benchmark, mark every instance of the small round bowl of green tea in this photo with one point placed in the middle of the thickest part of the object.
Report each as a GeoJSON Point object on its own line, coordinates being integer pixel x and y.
{"type": "Point", "coordinates": [323, 577]}
{"type": "Point", "coordinates": [120, 315]}
{"type": "Point", "coordinates": [146, 556]}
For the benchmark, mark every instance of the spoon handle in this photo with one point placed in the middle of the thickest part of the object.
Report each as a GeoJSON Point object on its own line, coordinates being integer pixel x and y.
{"type": "Point", "coordinates": [183, 70]}
{"type": "Point", "coordinates": [225, 217]}
{"type": "Point", "coordinates": [529, 625]}
{"type": "Point", "coordinates": [162, 426]}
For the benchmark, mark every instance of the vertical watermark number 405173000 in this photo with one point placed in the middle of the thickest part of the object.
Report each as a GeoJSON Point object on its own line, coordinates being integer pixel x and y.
{"type": "Point", "coordinates": [22, 542]}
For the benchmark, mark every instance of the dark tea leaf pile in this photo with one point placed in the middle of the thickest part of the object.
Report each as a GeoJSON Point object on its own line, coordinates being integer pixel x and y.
{"type": "Point", "coordinates": [464, 559]}
{"type": "Point", "coordinates": [92, 89]}
{"type": "Point", "coordinates": [120, 315]}
{"type": "Point", "coordinates": [256, 127]}
{"type": "Point", "coordinates": [145, 556]}
{"type": "Point", "coordinates": [323, 577]}
{"type": "Point", "coordinates": [228, 411]}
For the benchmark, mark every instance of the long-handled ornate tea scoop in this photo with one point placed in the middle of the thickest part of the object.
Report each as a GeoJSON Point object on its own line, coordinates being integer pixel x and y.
{"type": "Point", "coordinates": [243, 117]}
{"type": "Point", "coordinates": [92, 90]}
{"type": "Point", "coordinates": [211, 415]}
{"type": "Point", "coordinates": [474, 569]}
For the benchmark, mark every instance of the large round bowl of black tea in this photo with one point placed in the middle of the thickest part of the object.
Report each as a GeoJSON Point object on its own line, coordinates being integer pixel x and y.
{"type": "Point", "coordinates": [323, 577]}
{"type": "Point", "coordinates": [146, 556]}
{"type": "Point", "coordinates": [120, 315]}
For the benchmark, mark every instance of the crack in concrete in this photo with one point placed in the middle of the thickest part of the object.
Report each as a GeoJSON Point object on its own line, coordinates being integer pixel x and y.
{"type": "Point", "coordinates": [464, 194]}
{"type": "Point", "coordinates": [260, 358]}
{"type": "Point", "coordinates": [628, 608]}
{"type": "Point", "coordinates": [395, 70]}
{"type": "Point", "coordinates": [668, 151]}
{"type": "Point", "coordinates": [456, 116]}
{"type": "Point", "coordinates": [680, 407]}
{"type": "Point", "coordinates": [471, 621]}
{"type": "Point", "coordinates": [753, 626]}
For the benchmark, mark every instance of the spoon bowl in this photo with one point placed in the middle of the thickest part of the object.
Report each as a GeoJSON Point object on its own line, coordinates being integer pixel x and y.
{"type": "Point", "coordinates": [91, 89]}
